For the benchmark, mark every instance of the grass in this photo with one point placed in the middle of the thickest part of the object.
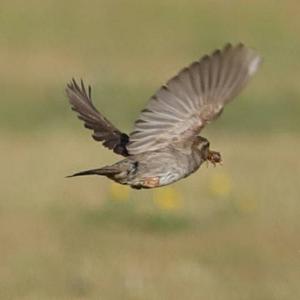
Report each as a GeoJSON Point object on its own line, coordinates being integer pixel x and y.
{"type": "Point", "coordinates": [71, 239]}
{"type": "Point", "coordinates": [224, 233]}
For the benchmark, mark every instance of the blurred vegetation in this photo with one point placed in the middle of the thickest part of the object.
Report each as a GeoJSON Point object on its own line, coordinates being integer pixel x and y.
{"type": "Point", "coordinates": [230, 232]}
{"type": "Point", "coordinates": [127, 50]}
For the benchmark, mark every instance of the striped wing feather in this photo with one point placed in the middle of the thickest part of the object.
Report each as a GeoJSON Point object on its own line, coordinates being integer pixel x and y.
{"type": "Point", "coordinates": [104, 130]}
{"type": "Point", "coordinates": [193, 98]}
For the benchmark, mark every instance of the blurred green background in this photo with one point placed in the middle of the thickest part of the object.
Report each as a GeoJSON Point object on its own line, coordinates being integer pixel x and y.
{"type": "Point", "coordinates": [229, 232]}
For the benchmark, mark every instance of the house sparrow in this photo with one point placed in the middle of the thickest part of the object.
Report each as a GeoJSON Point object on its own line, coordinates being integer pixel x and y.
{"type": "Point", "coordinates": [165, 146]}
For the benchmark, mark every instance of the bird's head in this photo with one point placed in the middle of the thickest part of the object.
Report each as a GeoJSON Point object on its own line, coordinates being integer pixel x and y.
{"type": "Point", "coordinates": [202, 146]}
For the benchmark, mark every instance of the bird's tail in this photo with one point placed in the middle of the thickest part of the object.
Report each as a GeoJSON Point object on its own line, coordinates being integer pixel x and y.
{"type": "Point", "coordinates": [105, 171]}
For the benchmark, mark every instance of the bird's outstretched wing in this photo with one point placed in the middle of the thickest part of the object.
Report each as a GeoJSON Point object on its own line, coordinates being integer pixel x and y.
{"type": "Point", "coordinates": [193, 98]}
{"type": "Point", "coordinates": [104, 130]}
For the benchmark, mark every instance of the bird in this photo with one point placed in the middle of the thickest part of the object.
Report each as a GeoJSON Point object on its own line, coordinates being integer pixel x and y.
{"type": "Point", "coordinates": [165, 145]}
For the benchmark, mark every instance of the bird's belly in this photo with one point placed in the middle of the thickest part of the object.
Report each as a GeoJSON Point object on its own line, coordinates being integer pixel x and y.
{"type": "Point", "coordinates": [155, 179]}
{"type": "Point", "coordinates": [161, 168]}
{"type": "Point", "coordinates": [169, 178]}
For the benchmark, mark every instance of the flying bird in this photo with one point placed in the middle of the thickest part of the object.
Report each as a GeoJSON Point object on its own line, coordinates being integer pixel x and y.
{"type": "Point", "coordinates": [165, 145]}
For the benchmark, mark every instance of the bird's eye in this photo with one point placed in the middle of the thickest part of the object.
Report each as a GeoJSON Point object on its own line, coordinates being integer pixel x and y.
{"type": "Point", "coordinates": [202, 141]}
{"type": "Point", "coordinates": [204, 144]}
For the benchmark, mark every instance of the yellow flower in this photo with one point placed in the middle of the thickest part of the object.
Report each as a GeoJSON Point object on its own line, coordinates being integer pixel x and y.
{"type": "Point", "coordinates": [167, 198]}
{"type": "Point", "coordinates": [119, 192]}
{"type": "Point", "coordinates": [220, 185]}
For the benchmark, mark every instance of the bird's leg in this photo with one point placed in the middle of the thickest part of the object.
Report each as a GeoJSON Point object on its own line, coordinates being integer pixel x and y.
{"type": "Point", "coordinates": [150, 182]}
{"type": "Point", "coordinates": [214, 157]}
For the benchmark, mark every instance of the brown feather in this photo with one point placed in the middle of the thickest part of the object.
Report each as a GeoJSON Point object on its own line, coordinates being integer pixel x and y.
{"type": "Point", "coordinates": [193, 98]}
{"type": "Point", "coordinates": [104, 130]}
